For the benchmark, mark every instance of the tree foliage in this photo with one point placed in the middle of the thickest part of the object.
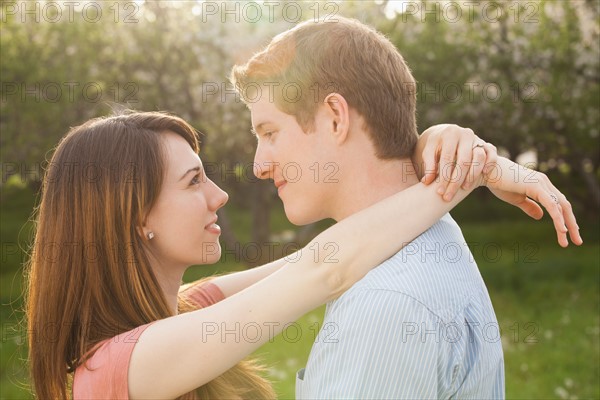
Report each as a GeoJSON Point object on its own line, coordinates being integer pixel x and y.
{"type": "Point", "coordinates": [528, 78]}
{"type": "Point", "coordinates": [523, 75]}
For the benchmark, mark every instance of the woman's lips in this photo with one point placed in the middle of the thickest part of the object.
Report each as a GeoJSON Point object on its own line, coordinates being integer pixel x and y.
{"type": "Point", "coordinates": [213, 227]}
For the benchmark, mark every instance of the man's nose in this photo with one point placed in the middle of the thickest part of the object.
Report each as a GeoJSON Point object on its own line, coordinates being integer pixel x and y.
{"type": "Point", "coordinates": [263, 166]}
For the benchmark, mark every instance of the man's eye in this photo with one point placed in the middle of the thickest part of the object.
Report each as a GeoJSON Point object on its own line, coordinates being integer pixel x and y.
{"type": "Point", "coordinates": [268, 134]}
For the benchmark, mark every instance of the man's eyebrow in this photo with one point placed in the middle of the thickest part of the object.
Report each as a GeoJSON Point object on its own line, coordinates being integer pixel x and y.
{"type": "Point", "coordinates": [188, 171]}
{"type": "Point", "coordinates": [258, 128]}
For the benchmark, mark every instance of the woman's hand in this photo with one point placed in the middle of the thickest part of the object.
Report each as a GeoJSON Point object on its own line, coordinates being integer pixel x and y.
{"type": "Point", "coordinates": [520, 186]}
{"type": "Point", "coordinates": [459, 159]}
{"type": "Point", "coordinates": [454, 155]}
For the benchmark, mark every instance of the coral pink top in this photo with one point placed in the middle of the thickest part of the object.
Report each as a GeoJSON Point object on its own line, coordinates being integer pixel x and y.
{"type": "Point", "coordinates": [104, 375]}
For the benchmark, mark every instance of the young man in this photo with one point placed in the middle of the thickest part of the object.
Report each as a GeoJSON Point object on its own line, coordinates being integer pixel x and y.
{"type": "Point", "coordinates": [333, 106]}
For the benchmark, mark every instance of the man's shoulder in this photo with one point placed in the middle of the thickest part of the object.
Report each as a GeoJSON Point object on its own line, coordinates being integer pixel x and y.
{"type": "Point", "coordinates": [436, 270]}
{"type": "Point", "coordinates": [442, 242]}
{"type": "Point", "coordinates": [441, 248]}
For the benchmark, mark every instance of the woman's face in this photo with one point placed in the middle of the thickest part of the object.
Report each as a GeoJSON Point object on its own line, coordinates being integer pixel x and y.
{"type": "Point", "coordinates": [183, 219]}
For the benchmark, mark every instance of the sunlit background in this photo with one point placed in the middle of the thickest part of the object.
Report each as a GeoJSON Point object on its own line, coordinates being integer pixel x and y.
{"type": "Point", "coordinates": [523, 75]}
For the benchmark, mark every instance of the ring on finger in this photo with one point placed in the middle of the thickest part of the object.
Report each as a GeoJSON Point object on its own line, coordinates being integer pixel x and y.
{"type": "Point", "coordinates": [478, 145]}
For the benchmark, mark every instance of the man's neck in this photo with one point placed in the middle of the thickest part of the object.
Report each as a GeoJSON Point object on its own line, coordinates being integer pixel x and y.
{"type": "Point", "coordinates": [370, 183]}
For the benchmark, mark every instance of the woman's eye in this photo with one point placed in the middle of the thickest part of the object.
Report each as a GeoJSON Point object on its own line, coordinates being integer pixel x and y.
{"type": "Point", "coordinates": [268, 134]}
{"type": "Point", "coordinates": [195, 180]}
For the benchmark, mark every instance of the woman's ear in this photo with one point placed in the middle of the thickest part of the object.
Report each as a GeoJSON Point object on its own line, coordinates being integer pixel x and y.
{"type": "Point", "coordinates": [144, 231]}
{"type": "Point", "coordinates": [337, 110]}
{"type": "Point", "coordinates": [140, 231]}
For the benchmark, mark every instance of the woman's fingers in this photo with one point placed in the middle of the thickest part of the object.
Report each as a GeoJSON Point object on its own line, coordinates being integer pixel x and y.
{"type": "Point", "coordinates": [550, 203]}
{"type": "Point", "coordinates": [464, 160]}
{"type": "Point", "coordinates": [476, 168]}
{"type": "Point", "coordinates": [482, 156]}
{"type": "Point", "coordinates": [560, 210]}
{"type": "Point", "coordinates": [447, 161]}
{"type": "Point", "coordinates": [430, 154]}
{"type": "Point", "coordinates": [491, 161]}
{"type": "Point", "coordinates": [507, 179]}
{"type": "Point", "coordinates": [568, 215]}
{"type": "Point", "coordinates": [527, 205]}
{"type": "Point", "coordinates": [531, 208]}
{"type": "Point", "coordinates": [490, 167]}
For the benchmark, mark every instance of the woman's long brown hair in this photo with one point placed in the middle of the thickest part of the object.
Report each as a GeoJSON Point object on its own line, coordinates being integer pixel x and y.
{"type": "Point", "coordinates": [89, 278]}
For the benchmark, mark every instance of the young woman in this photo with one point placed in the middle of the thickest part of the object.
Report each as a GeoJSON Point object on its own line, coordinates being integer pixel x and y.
{"type": "Point", "coordinates": [125, 209]}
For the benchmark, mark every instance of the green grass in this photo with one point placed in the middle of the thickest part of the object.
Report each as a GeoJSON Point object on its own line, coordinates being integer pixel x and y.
{"type": "Point", "coordinates": [546, 299]}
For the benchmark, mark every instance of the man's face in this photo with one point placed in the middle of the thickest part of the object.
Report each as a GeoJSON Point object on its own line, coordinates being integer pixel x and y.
{"type": "Point", "coordinates": [302, 165]}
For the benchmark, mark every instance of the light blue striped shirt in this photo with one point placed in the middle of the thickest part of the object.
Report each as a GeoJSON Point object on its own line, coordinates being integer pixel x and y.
{"type": "Point", "coordinates": [419, 326]}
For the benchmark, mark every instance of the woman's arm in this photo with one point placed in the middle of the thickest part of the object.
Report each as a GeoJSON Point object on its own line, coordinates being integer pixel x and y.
{"type": "Point", "coordinates": [178, 354]}
{"type": "Point", "coordinates": [234, 282]}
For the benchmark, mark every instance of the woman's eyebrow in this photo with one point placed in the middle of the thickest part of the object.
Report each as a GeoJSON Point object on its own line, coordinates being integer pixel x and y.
{"type": "Point", "coordinates": [197, 169]}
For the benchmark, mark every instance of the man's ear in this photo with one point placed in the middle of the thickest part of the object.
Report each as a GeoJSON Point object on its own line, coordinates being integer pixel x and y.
{"type": "Point", "coordinates": [336, 107]}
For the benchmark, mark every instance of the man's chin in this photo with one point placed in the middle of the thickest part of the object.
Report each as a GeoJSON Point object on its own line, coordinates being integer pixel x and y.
{"type": "Point", "coordinates": [300, 218]}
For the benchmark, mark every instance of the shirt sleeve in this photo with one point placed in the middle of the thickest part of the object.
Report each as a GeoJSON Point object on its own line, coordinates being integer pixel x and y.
{"type": "Point", "coordinates": [104, 375]}
{"type": "Point", "coordinates": [202, 294]}
{"type": "Point", "coordinates": [376, 344]}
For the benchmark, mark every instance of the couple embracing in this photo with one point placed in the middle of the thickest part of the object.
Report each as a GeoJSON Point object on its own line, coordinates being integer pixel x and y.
{"type": "Point", "coordinates": [407, 322]}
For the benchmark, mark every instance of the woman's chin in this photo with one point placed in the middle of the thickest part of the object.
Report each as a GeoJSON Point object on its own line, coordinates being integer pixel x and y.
{"type": "Point", "coordinates": [209, 257]}
{"type": "Point", "coordinates": [209, 260]}
{"type": "Point", "coordinates": [210, 254]}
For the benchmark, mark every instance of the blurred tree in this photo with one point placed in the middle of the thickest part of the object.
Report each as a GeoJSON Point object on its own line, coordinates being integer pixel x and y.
{"type": "Point", "coordinates": [523, 75]}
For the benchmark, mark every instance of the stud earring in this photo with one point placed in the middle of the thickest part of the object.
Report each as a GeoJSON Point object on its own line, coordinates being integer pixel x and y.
{"type": "Point", "coordinates": [150, 235]}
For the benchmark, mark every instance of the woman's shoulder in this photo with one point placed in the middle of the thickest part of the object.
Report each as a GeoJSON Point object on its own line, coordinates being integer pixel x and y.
{"type": "Point", "coordinates": [104, 374]}
{"type": "Point", "coordinates": [201, 293]}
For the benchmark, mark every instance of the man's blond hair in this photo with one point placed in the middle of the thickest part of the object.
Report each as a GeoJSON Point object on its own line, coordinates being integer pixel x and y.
{"type": "Point", "coordinates": [303, 65]}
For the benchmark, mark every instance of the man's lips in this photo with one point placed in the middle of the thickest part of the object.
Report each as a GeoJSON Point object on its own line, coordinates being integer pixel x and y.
{"type": "Point", "coordinates": [280, 185]}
